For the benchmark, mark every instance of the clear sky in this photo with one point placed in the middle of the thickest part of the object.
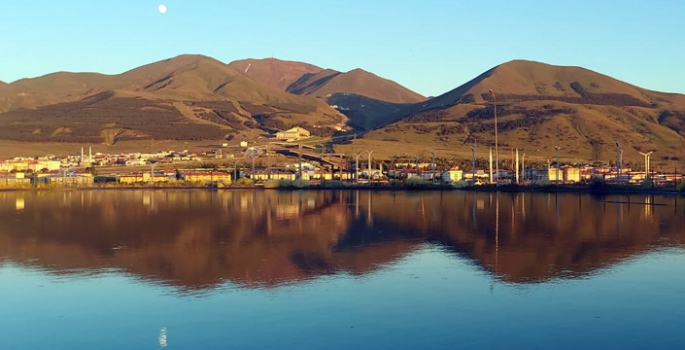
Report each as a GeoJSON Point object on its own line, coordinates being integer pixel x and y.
{"type": "Point", "coordinates": [430, 46]}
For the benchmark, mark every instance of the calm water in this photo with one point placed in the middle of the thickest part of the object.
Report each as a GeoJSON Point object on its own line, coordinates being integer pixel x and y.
{"type": "Point", "coordinates": [340, 270]}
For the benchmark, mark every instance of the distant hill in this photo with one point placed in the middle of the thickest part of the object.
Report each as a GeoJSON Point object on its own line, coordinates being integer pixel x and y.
{"type": "Point", "coordinates": [541, 106]}
{"type": "Point", "coordinates": [357, 93]}
{"type": "Point", "coordinates": [185, 97]}
{"type": "Point", "coordinates": [363, 97]}
{"type": "Point", "coordinates": [360, 82]}
{"type": "Point", "coordinates": [278, 74]}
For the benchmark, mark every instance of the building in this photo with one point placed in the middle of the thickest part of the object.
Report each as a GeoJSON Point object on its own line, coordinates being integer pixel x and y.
{"type": "Point", "coordinates": [273, 176]}
{"type": "Point", "coordinates": [452, 175]}
{"type": "Point", "coordinates": [14, 180]}
{"type": "Point", "coordinates": [42, 165]}
{"type": "Point", "coordinates": [207, 176]}
{"type": "Point", "coordinates": [143, 178]}
{"type": "Point", "coordinates": [571, 174]}
{"type": "Point", "coordinates": [292, 134]}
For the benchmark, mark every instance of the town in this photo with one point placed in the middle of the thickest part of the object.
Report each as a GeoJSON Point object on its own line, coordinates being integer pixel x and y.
{"type": "Point", "coordinates": [287, 160]}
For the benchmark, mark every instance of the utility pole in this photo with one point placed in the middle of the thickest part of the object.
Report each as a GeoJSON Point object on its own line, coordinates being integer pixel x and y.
{"type": "Point", "coordinates": [618, 161]}
{"type": "Point", "coordinates": [558, 165]}
{"type": "Point", "coordinates": [492, 179]}
{"type": "Point", "coordinates": [523, 165]}
{"type": "Point", "coordinates": [268, 162]}
{"type": "Point", "coordinates": [235, 169]}
{"type": "Point", "coordinates": [299, 155]}
{"type": "Point", "coordinates": [517, 166]}
{"type": "Point", "coordinates": [369, 165]}
{"type": "Point", "coordinates": [473, 164]}
{"type": "Point", "coordinates": [433, 153]}
{"type": "Point", "coordinates": [356, 169]}
{"type": "Point", "coordinates": [494, 97]}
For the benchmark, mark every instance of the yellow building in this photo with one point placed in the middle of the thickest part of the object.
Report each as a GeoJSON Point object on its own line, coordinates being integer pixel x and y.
{"type": "Point", "coordinates": [453, 175]}
{"type": "Point", "coordinates": [555, 175]}
{"type": "Point", "coordinates": [79, 180]}
{"type": "Point", "coordinates": [274, 176]}
{"type": "Point", "coordinates": [38, 166]}
{"type": "Point", "coordinates": [208, 176]}
{"type": "Point", "coordinates": [293, 134]}
{"type": "Point", "coordinates": [571, 174]}
{"type": "Point", "coordinates": [131, 178]}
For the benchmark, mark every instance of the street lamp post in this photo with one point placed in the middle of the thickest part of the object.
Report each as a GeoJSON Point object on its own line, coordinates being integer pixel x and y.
{"type": "Point", "coordinates": [494, 98]}
{"type": "Point", "coordinates": [558, 165]}
{"type": "Point", "coordinates": [517, 166]}
{"type": "Point", "coordinates": [356, 169]}
{"type": "Point", "coordinates": [369, 165]}
{"type": "Point", "coordinates": [618, 161]}
{"type": "Point", "coordinates": [416, 164]}
{"type": "Point", "coordinates": [473, 164]}
{"type": "Point", "coordinates": [152, 171]}
{"type": "Point", "coordinates": [523, 165]}
{"type": "Point", "coordinates": [235, 169]}
{"type": "Point", "coordinates": [433, 153]}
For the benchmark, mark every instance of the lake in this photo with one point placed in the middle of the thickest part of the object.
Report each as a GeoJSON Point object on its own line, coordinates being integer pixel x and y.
{"type": "Point", "coordinates": [192, 269]}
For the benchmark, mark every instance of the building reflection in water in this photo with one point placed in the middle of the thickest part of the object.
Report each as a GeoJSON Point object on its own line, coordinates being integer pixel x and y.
{"type": "Point", "coordinates": [201, 239]}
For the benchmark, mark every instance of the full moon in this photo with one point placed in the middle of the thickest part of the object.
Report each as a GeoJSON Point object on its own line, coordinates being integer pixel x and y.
{"type": "Point", "coordinates": [161, 8]}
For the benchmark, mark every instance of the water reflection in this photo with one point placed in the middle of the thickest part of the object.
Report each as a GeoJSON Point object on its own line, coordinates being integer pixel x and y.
{"type": "Point", "coordinates": [200, 239]}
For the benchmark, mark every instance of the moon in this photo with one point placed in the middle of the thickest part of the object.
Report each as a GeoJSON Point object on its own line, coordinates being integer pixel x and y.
{"type": "Point", "coordinates": [162, 8]}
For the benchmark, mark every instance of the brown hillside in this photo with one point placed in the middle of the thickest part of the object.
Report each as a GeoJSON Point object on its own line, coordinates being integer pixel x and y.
{"type": "Point", "coordinates": [541, 106]}
{"type": "Point", "coordinates": [525, 80]}
{"type": "Point", "coordinates": [278, 74]}
{"type": "Point", "coordinates": [196, 91]}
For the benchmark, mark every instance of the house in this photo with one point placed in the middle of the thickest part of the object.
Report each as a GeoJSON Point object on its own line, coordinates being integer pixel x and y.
{"type": "Point", "coordinates": [452, 175]}
{"type": "Point", "coordinates": [295, 133]}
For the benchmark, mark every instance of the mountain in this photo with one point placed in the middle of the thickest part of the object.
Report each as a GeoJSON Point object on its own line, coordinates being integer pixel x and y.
{"type": "Point", "coordinates": [541, 106]}
{"type": "Point", "coordinates": [278, 74]}
{"type": "Point", "coordinates": [358, 81]}
{"type": "Point", "coordinates": [185, 97]}
{"type": "Point", "coordinates": [363, 97]}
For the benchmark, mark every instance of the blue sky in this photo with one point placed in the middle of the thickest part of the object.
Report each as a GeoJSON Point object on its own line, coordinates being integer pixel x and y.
{"type": "Point", "coordinates": [430, 46]}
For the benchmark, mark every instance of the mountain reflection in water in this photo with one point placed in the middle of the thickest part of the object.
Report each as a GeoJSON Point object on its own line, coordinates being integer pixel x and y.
{"type": "Point", "coordinates": [200, 239]}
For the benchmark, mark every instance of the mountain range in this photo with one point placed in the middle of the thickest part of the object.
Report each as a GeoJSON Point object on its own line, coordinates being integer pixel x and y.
{"type": "Point", "coordinates": [194, 97]}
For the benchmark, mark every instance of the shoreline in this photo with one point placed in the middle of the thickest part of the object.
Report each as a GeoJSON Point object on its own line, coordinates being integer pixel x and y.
{"type": "Point", "coordinates": [484, 189]}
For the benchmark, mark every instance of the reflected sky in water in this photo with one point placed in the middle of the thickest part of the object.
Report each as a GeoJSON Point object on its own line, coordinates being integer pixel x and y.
{"type": "Point", "coordinates": [340, 269]}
